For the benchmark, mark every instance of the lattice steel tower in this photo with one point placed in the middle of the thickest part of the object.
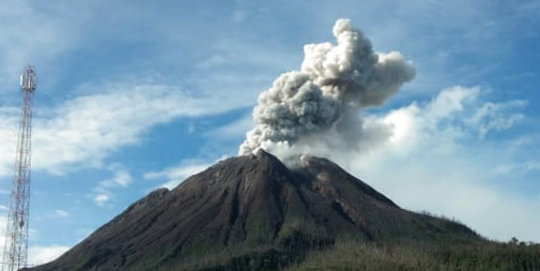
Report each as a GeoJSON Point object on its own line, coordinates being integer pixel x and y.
{"type": "Point", "coordinates": [16, 244]}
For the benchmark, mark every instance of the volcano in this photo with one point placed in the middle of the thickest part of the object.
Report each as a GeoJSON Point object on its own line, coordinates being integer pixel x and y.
{"type": "Point", "coordinates": [253, 212]}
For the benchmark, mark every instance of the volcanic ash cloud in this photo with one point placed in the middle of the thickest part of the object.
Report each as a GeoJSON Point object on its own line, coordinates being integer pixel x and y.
{"type": "Point", "coordinates": [321, 104]}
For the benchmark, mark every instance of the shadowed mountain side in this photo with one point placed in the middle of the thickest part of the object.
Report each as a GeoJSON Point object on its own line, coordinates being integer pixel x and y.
{"type": "Point", "coordinates": [252, 212]}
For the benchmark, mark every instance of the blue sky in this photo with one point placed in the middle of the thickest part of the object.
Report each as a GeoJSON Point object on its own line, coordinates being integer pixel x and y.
{"type": "Point", "coordinates": [135, 95]}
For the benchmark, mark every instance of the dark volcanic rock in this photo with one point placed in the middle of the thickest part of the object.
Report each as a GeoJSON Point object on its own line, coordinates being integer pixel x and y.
{"type": "Point", "coordinates": [250, 212]}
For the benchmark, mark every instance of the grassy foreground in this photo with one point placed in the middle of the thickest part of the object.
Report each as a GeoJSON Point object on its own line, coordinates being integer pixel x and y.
{"type": "Point", "coordinates": [480, 256]}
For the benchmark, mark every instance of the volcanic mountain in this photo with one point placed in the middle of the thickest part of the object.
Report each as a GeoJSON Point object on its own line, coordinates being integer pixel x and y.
{"type": "Point", "coordinates": [254, 213]}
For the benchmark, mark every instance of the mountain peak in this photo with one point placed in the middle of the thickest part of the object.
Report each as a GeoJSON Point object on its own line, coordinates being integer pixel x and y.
{"type": "Point", "coordinates": [250, 204]}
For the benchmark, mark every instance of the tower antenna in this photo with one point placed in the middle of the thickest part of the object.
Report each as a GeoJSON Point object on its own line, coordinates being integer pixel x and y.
{"type": "Point", "coordinates": [16, 243]}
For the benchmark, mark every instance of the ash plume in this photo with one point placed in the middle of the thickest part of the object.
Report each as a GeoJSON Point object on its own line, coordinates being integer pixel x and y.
{"type": "Point", "coordinates": [319, 107]}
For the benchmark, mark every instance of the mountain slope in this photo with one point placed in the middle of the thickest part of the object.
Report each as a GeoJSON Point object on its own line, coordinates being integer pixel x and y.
{"type": "Point", "coordinates": [251, 213]}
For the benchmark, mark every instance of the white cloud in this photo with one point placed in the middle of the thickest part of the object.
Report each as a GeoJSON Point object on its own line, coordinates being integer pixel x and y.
{"type": "Point", "coordinates": [517, 169]}
{"type": "Point", "coordinates": [61, 213]}
{"type": "Point", "coordinates": [121, 178]}
{"type": "Point", "coordinates": [8, 122]}
{"type": "Point", "coordinates": [456, 113]}
{"type": "Point", "coordinates": [101, 199]}
{"type": "Point", "coordinates": [43, 254]}
{"type": "Point", "coordinates": [103, 192]}
{"type": "Point", "coordinates": [85, 130]}
{"type": "Point", "coordinates": [233, 130]}
{"type": "Point", "coordinates": [175, 175]}
{"type": "Point", "coordinates": [495, 117]}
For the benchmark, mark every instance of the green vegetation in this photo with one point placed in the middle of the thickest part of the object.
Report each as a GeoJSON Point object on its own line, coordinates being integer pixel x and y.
{"type": "Point", "coordinates": [422, 256]}
{"type": "Point", "coordinates": [350, 253]}
{"type": "Point", "coordinates": [361, 255]}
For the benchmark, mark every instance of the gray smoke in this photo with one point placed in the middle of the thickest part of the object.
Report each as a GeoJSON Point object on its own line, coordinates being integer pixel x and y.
{"type": "Point", "coordinates": [320, 105]}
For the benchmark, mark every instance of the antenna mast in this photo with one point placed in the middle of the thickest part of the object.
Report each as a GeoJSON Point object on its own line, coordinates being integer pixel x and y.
{"type": "Point", "coordinates": [16, 243]}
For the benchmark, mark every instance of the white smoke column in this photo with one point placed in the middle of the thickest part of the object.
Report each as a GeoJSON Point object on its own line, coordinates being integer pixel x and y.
{"type": "Point", "coordinates": [321, 104]}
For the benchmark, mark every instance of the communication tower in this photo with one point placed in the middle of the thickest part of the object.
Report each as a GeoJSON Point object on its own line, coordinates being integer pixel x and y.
{"type": "Point", "coordinates": [16, 243]}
